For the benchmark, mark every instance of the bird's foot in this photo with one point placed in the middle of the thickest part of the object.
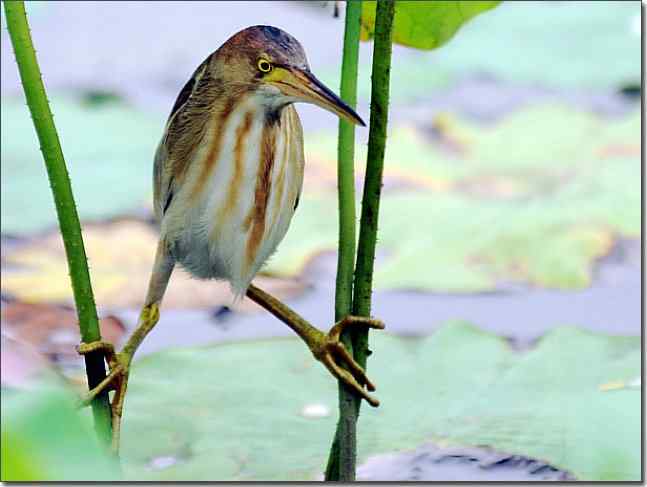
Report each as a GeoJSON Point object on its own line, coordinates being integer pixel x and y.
{"type": "Point", "coordinates": [328, 349]}
{"type": "Point", "coordinates": [117, 380]}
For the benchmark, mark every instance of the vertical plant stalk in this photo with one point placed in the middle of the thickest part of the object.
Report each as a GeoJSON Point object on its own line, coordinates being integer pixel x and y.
{"type": "Point", "coordinates": [346, 438]}
{"type": "Point", "coordinates": [68, 218]}
{"type": "Point", "coordinates": [347, 215]}
{"type": "Point", "coordinates": [345, 166]}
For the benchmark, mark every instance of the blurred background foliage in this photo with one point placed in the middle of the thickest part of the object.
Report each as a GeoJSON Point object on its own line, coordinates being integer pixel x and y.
{"type": "Point", "coordinates": [511, 200]}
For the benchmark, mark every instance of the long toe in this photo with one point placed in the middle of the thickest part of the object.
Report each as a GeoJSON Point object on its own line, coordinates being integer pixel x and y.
{"type": "Point", "coordinates": [355, 369]}
{"type": "Point", "coordinates": [345, 377]}
{"type": "Point", "coordinates": [101, 346]}
{"type": "Point", "coordinates": [352, 320]}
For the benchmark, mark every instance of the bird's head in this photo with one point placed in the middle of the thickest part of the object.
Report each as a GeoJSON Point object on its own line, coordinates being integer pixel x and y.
{"type": "Point", "coordinates": [272, 63]}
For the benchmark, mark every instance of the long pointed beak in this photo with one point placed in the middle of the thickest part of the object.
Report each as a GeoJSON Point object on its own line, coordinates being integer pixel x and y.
{"type": "Point", "coordinates": [306, 87]}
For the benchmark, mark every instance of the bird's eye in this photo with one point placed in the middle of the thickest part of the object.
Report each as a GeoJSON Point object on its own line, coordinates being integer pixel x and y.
{"type": "Point", "coordinates": [264, 66]}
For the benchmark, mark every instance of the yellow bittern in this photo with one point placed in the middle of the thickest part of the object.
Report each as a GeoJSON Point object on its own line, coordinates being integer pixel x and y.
{"type": "Point", "coordinates": [227, 179]}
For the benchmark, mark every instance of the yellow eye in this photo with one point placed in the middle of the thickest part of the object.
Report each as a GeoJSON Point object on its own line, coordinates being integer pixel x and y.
{"type": "Point", "coordinates": [264, 66]}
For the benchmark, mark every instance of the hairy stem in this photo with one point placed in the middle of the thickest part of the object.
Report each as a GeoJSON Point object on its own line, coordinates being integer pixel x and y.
{"type": "Point", "coordinates": [342, 462]}
{"type": "Point", "coordinates": [345, 166]}
{"type": "Point", "coordinates": [347, 216]}
{"type": "Point", "coordinates": [380, 83]}
{"type": "Point", "coordinates": [68, 218]}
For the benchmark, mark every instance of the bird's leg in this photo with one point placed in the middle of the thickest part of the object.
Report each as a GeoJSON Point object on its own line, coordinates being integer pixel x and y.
{"type": "Point", "coordinates": [326, 347]}
{"type": "Point", "coordinates": [119, 366]}
{"type": "Point", "coordinates": [119, 363]}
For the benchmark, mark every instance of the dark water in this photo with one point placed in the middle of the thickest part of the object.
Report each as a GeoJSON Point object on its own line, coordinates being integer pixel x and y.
{"type": "Point", "coordinates": [428, 462]}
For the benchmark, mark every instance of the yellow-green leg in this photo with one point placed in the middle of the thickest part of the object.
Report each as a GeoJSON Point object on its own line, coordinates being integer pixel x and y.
{"type": "Point", "coordinates": [326, 347]}
{"type": "Point", "coordinates": [119, 363]}
{"type": "Point", "coordinates": [119, 367]}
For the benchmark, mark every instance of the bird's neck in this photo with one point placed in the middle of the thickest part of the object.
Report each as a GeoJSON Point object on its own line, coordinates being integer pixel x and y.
{"type": "Point", "coordinates": [271, 104]}
{"type": "Point", "coordinates": [273, 115]}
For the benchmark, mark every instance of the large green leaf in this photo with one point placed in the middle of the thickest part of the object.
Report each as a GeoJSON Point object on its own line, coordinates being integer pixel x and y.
{"type": "Point", "coordinates": [425, 24]}
{"type": "Point", "coordinates": [235, 412]}
{"type": "Point", "coordinates": [45, 439]}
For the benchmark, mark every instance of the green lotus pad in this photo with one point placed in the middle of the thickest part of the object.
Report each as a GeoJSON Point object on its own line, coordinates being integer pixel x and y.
{"type": "Point", "coordinates": [236, 411]}
{"type": "Point", "coordinates": [425, 25]}
{"type": "Point", "coordinates": [233, 411]}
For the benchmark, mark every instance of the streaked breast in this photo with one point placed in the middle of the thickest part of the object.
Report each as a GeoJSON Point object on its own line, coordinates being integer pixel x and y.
{"type": "Point", "coordinates": [250, 175]}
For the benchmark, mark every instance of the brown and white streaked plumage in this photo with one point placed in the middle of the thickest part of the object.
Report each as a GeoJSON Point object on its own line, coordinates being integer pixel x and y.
{"type": "Point", "coordinates": [229, 169]}
{"type": "Point", "coordinates": [228, 174]}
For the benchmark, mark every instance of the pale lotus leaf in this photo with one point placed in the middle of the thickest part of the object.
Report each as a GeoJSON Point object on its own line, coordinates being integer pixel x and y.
{"type": "Point", "coordinates": [109, 155]}
{"type": "Point", "coordinates": [120, 257]}
{"type": "Point", "coordinates": [533, 206]}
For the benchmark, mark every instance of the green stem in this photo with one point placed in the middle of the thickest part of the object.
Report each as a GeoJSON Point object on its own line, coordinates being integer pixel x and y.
{"type": "Point", "coordinates": [345, 165]}
{"type": "Point", "coordinates": [380, 82]}
{"type": "Point", "coordinates": [346, 438]}
{"type": "Point", "coordinates": [347, 215]}
{"type": "Point", "coordinates": [68, 218]}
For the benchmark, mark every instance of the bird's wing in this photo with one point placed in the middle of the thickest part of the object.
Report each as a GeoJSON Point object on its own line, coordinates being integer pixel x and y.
{"type": "Point", "coordinates": [162, 182]}
{"type": "Point", "coordinates": [299, 155]}
{"type": "Point", "coordinates": [183, 134]}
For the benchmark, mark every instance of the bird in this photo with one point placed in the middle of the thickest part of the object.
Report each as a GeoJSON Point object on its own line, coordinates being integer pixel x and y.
{"type": "Point", "coordinates": [227, 178]}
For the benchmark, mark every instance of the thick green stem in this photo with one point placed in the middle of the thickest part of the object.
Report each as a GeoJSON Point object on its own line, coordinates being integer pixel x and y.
{"type": "Point", "coordinates": [68, 218]}
{"type": "Point", "coordinates": [347, 215]}
{"type": "Point", "coordinates": [345, 444]}
{"type": "Point", "coordinates": [380, 83]}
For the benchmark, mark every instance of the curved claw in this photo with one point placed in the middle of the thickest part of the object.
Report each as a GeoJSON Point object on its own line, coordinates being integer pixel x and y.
{"type": "Point", "coordinates": [354, 367]}
{"type": "Point", "coordinates": [111, 382]}
{"type": "Point", "coordinates": [349, 380]}
{"type": "Point", "coordinates": [342, 324]}
{"type": "Point", "coordinates": [355, 377]}
{"type": "Point", "coordinates": [117, 380]}
{"type": "Point", "coordinates": [106, 347]}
